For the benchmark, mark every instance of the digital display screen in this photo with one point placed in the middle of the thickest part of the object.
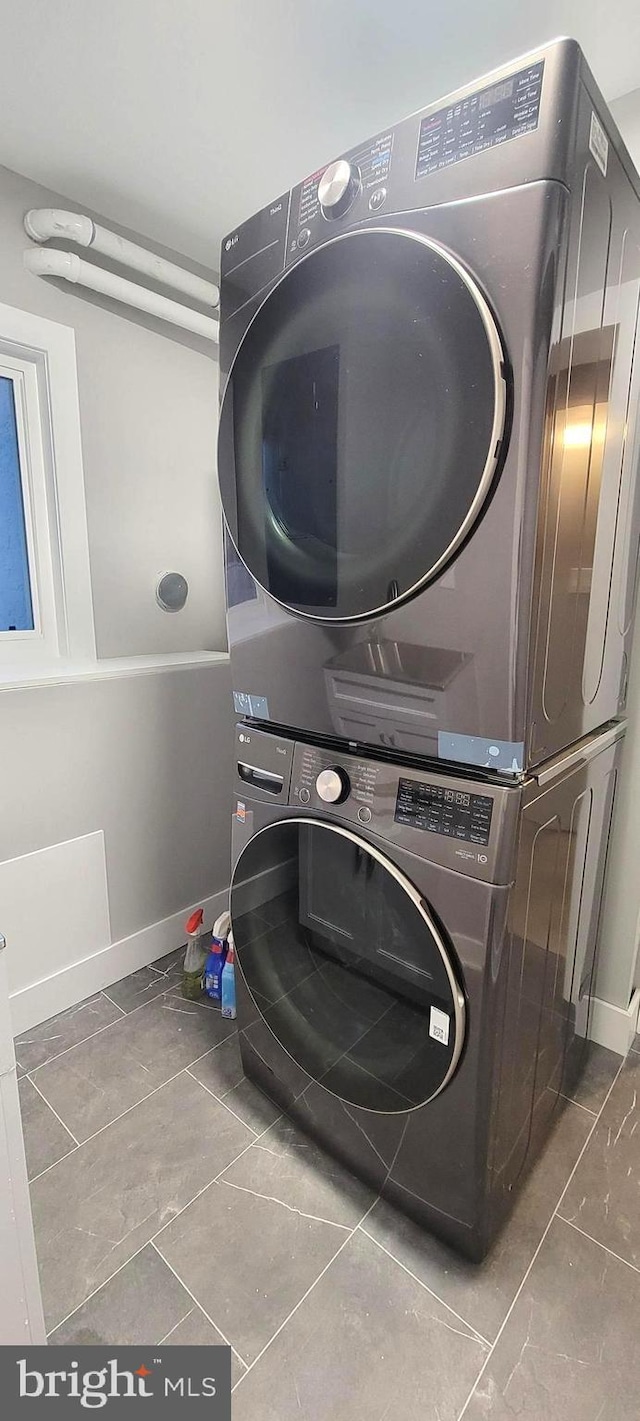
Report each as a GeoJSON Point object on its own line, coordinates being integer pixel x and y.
{"type": "Point", "coordinates": [480, 121]}
{"type": "Point", "coordinates": [496, 95]}
{"type": "Point", "coordinates": [454, 796]}
{"type": "Point", "coordinates": [454, 813]}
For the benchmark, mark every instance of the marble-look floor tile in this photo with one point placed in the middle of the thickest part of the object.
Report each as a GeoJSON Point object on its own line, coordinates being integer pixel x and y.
{"type": "Point", "coordinates": [171, 964]}
{"type": "Point", "coordinates": [221, 1069]}
{"type": "Point", "coordinates": [45, 1139]}
{"type": "Point", "coordinates": [96, 1208]}
{"type": "Point", "coordinates": [138, 988]}
{"type": "Point", "coordinates": [50, 1038]}
{"type": "Point", "coordinates": [603, 1198]}
{"type": "Point", "coordinates": [570, 1350]}
{"type": "Point", "coordinates": [140, 1305]}
{"type": "Point", "coordinates": [195, 1330]}
{"type": "Point", "coordinates": [483, 1292]}
{"type": "Point", "coordinates": [287, 1165]}
{"type": "Point", "coordinates": [99, 1079]}
{"type": "Point", "coordinates": [368, 1342]}
{"type": "Point", "coordinates": [258, 1260]}
{"type": "Point", "coordinates": [254, 1108]}
{"type": "Point", "coordinates": [599, 1074]}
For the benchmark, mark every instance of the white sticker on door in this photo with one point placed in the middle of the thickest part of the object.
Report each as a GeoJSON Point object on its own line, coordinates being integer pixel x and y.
{"type": "Point", "coordinates": [599, 144]}
{"type": "Point", "coordinates": [439, 1026]}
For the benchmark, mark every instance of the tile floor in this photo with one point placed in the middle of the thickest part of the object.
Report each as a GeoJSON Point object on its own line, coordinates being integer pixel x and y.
{"type": "Point", "coordinates": [173, 1203]}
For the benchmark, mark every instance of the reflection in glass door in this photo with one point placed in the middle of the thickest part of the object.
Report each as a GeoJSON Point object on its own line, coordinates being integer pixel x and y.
{"type": "Point", "coordinates": [350, 969]}
{"type": "Point", "coordinates": [362, 424]}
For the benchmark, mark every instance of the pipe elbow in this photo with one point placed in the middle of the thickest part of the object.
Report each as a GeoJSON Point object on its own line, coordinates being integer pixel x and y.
{"type": "Point", "coordinates": [52, 263]}
{"type": "Point", "coordinates": [42, 224]}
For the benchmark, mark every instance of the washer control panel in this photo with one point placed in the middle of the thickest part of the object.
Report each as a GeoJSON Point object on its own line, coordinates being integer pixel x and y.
{"type": "Point", "coordinates": [436, 809]}
{"type": "Point", "coordinates": [322, 779]}
{"type": "Point", "coordinates": [462, 824]}
{"type": "Point", "coordinates": [333, 785]}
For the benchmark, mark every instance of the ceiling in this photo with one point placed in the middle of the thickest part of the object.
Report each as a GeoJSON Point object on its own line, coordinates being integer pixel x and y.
{"type": "Point", "coordinates": [180, 119]}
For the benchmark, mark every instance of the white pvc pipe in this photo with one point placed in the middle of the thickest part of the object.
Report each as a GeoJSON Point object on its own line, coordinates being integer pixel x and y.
{"type": "Point", "coordinates": [48, 262]}
{"type": "Point", "coordinates": [43, 223]}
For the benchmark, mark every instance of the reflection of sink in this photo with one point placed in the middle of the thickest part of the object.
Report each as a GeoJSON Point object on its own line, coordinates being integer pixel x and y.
{"type": "Point", "coordinates": [433, 667]}
{"type": "Point", "coordinates": [396, 694]}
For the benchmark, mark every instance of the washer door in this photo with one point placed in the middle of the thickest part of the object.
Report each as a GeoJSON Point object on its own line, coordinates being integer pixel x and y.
{"type": "Point", "coordinates": [350, 969]}
{"type": "Point", "coordinates": [361, 424]}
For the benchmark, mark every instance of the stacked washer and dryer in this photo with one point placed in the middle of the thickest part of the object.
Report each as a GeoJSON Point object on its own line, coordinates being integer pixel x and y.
{"type": "Point", "coordinates": [428, 469]}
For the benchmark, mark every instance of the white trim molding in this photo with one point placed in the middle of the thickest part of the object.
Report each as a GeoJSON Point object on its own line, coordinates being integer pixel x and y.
{"type": "Point", "coordinates": [23, 678]}
{"type": "Point", "coordinates": [41, 1000]}
{"type": "Point", "coordinates": [43, 354]}
{"type": "Point", "coordinates": [614, 1027]}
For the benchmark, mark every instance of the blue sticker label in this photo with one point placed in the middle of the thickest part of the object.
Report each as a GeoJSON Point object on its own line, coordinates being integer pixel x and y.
{"type": "Point", "coordinates": [504, 755]}
{"type": "Point", "coordinates": [244, 704]}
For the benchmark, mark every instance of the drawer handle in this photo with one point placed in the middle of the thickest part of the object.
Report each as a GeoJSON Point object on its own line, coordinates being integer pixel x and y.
{"type": "Point", "coordinates": [261, 779]}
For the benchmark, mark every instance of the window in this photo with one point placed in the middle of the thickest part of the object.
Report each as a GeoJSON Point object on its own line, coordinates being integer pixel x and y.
{"type": "Point", "coordinates": [16, 608]}
{"type": "Point", "coordinates": [46, 612]}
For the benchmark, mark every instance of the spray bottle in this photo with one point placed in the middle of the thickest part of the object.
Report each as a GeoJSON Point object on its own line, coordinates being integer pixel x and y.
{"type": "Point", "coordinates": [214, 964]}
{"type": "Point", "coordinates": [229, 981]}
{"type": "Point", "coordinates": [194, 956]}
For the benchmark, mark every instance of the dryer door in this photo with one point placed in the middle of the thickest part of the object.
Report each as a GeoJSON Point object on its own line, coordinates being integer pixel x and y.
{"type": "Point", "coordinates": [348, 966]}
{"type": "Point", "coordinates": [361, 424]}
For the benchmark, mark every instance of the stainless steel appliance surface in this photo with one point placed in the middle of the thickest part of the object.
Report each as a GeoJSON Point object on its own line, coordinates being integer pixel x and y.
{"type": "Point", "coordinates": [416, 954]}
{"type": "Point", "coordinates": [428, 452]}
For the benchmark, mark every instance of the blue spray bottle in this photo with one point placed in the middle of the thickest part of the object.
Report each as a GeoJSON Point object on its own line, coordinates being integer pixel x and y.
{"type": "Point", "coordinates": [229, 982]}
{"type": "Point", "coordinates": [213, 967]}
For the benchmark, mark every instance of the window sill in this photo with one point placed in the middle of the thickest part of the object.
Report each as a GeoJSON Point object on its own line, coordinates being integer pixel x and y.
{"type": "Point", "coordinates": [60, 673]}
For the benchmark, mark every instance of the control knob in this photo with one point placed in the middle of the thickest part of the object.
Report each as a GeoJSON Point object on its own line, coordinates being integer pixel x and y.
{"type": "Point", "coordinates": [333, 785]}
{"type": "Point", "coordinates": [337, 188]}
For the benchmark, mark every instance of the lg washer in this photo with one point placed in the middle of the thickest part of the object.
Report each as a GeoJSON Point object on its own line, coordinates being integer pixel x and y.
{"type": "Point", "coordinates": [416, 954]}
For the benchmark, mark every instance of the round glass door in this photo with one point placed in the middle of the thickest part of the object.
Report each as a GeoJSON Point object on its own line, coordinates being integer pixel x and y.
{"type": "Point", "coordinates": [361, 425]}
{"type": "Point", "coordinates": [349, 968]}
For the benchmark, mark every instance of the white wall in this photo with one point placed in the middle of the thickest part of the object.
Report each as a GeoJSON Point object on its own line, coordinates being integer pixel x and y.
{"type": "Point", "coordinates": [148, 404]}
{"type": "Point", "coordinates": [115, 791]}
{"type": "Point", "coordinates": [626, 112]}
{"type": "Point", "coordinates": [144, 761]}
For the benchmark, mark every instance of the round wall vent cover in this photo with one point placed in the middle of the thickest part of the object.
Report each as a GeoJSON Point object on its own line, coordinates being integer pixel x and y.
{"type": "Point", "coordinates": [172, 592]}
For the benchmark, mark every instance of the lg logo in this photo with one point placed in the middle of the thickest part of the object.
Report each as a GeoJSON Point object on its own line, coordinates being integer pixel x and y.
{"type": "Point", "coordinates": [231, 242]}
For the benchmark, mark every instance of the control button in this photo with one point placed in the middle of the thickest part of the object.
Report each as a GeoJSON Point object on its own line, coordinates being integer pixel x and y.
{"type": "Point", "coordinates": [303, 237]}
{"type": "Point", "coordinates": [337, 188]}
{"type": "Point", "coordinates": [377, 199]}
{"type": "Point", "coordinates": [304, 796]}
{"type": "Point", "coordinates": [364, 814]}
{"type": "Point", "coordinates": [333, 785]}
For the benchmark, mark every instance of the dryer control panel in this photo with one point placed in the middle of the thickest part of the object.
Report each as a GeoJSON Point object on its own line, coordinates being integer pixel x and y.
{"type": "Point", "coordinates": [411, 166]}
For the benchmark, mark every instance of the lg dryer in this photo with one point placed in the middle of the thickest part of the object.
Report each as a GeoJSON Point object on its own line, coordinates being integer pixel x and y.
{"type": "Point", "coordinates": [427, 452]}
{"type": "Point", "coordinates": [416, 956]}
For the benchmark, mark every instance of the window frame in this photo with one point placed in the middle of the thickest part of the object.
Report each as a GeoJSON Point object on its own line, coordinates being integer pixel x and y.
{"type": "Point", "coordinates": [39, 356]}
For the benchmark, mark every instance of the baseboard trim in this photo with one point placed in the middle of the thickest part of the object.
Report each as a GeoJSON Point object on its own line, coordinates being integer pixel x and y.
{"type": "Point", "coordinates": [613, 1026]}
{"type": "Point", "coordinates": [37, 1002]}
